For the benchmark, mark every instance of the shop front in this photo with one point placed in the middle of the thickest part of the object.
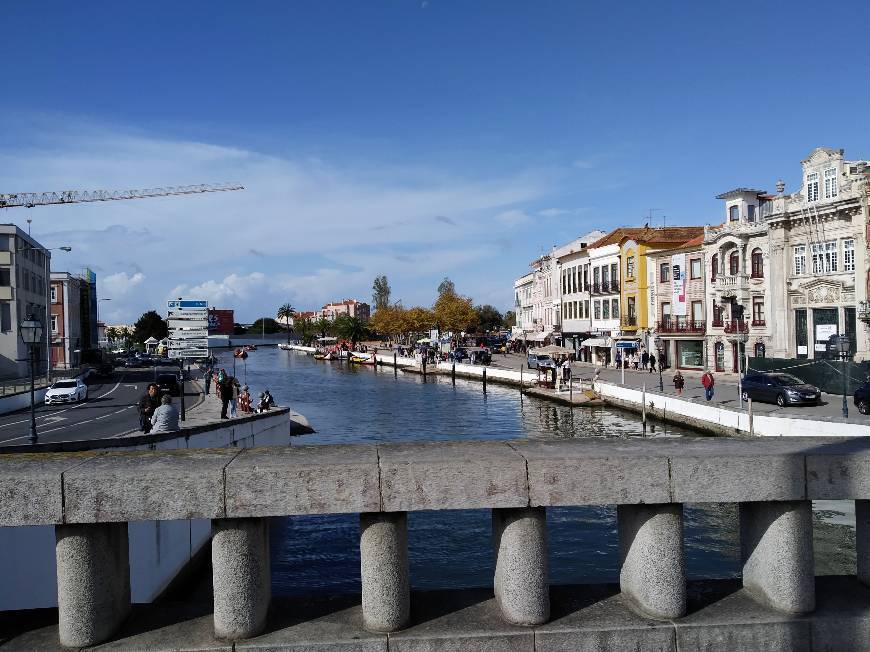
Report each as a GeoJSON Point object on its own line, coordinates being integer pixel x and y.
{"type": "Point", "coordinates": [689, 354]}
{"type": "Point", "coordinates": [597, 350]}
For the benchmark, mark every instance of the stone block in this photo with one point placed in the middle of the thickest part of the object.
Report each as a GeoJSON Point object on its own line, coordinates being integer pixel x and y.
{"type": "Point", "coordinates": [862, 540]}
{"type": "Point", "coordinates": [386, 584]}
{"type": "Point", "coordinates": [93, 582]}
{"type": "Point", "coordinates": [521, 582]}
{"type": "Point", "coordinates": [147, 486]}
{"type": "Point", "coordinates": [303, 480]}
{"type": "Point", "coordinates": [652, 575]}
{"type": "Point", "coordinates": [31, 487]}
{"type": "Point", "coordinates": [839, 471]}
{"type": "Point", "coordinates": [240, 576]}
{"type": "Point", "coordinates": [776, 541]}
{"type": "Point", "coordinates": [597, 619]}
{"type": "Point", "coordinates": [452, 475]}
{"type": "Point", "coordinates": [594, 472]}
{"type": "Point", "coordinates": [841, 620]}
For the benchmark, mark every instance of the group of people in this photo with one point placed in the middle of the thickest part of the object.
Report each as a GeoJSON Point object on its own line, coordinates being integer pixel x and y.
{"type": "Point", "coordinates": [643, 362]}
{"type": "Point", "coordinates": [707, 381]}
{"type": "Point", "coordinates": [233, 395]}
{"type": "Point", "coordinates": [156, 413]}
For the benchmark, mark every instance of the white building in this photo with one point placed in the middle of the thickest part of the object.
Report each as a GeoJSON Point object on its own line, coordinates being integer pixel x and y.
{"type": "Point", "coordinates": [523, 304]}
{"type": "Point", "coordinates": [572, 298]}
{"type": "Point", "coordinates": [604, 308]}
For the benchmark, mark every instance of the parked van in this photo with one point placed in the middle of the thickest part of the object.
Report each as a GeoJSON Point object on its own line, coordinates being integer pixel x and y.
{"type": "Point", "coordinates": [540, 360]}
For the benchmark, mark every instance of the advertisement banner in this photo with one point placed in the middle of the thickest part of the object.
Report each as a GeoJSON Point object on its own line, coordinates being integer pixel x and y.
{"type": "Point", "coordinates": [220, 322]}
{"type": "Point", "coordinates": [678, 279]}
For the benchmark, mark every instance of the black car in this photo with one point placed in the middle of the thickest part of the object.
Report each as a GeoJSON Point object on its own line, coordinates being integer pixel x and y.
{"type": "Point", "coordinates": [780, 388]}
{"type": "Point", "coordinates": [862, 397]}
{"type": "Point", "coordinates": [168, 384]}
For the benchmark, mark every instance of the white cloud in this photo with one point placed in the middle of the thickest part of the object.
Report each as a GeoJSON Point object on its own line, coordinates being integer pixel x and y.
{"type": "Point", "coordinates": [513, 217]}
{"type": "Point", "coordinates": [552, 212]}
{"type": "Point", "coordinates": [120, 284]}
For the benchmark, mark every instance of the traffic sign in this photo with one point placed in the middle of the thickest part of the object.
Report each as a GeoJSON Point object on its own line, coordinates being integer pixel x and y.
{"type": "Point", "coordinates": [188, 328]}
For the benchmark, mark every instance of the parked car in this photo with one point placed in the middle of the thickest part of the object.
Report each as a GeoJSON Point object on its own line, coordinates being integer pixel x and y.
{"type": "Point", "coordinates": [780, 388]}
{"type": "Point", "coordinates": [165, 362]}
{"type": "Point", "coordinates": [536, 360]}
{"type": "Point", "coordinates": [134, 361]}
{"type": "Point", "coordinates": [71, 390]}
{"type": "Point", "coordinates": [479, 355]}
{"type": "Point", "coordinates": [104, 368]}
{"type": "Point", "coordinates": [862, 397]}
{"type": "Point", "coordinates": [168, 384]}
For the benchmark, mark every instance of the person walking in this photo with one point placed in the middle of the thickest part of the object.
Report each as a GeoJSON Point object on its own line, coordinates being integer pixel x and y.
{"type": "Point", "coordinates": [225, 391]}
{"type": "Point", "coordinates": [234, 399]}
{"type": "Point", "coordinates": [618, 360]}
{"type": "Point", "coordinates": [165, 417]}
{"type": "Point", "coordinates": [708, 382]}
{"type": "Point", "coordinates": [147, 405]}
{"type": "Point", "coordinates": [644, 360]}
{"type": "Point", "coordinates": [679, 382]}
{"type": "Point", "coordinates": [206, 376]}
{"type": "Point", "coordinates": [652, 362]}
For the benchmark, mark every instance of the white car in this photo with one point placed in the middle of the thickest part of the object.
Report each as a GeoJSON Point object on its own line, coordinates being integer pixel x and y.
{"type": "Point", "coordinates": [66, 391]}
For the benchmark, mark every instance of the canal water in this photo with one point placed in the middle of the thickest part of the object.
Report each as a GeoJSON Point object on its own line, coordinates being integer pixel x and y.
{"type": "Point", "coordinates": [449, 549]}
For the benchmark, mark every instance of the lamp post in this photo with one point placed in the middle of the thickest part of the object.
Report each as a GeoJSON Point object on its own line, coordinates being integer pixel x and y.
{"type": "Point", "coordinates": [740, 337]}
{"type": "Point", "coordinates": [31, 333]}
{"type": "Point", "coordinates": [658, 343]}
{"type": "Point", "coordinates": [844, 349]}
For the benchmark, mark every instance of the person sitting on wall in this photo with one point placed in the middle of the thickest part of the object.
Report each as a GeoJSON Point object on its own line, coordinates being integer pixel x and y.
{"type": "Point", "coordinates": [165, 418]}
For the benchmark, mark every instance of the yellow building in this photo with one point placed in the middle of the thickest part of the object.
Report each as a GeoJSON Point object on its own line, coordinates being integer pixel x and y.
{"type": "Point", "coordinates": [637, 315]}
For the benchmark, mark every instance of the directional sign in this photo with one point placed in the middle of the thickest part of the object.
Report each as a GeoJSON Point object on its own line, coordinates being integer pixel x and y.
{"type": "Point", "coordinates": [186, 304]}
{"type": "Point", "coordinates": [188, 328]}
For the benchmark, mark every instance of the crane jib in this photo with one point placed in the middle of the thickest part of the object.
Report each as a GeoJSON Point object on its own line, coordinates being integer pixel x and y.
{"type": "Point", "coordinates": [29, 199]}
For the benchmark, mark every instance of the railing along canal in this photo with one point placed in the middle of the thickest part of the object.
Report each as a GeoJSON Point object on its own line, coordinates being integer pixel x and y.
{"type": "Point", "coordinates": [90, 498]}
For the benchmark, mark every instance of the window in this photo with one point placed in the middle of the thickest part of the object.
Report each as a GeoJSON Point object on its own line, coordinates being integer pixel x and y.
{"type": "Point", "coordinates": [585, 277]}
{"type": "Point", "coordinates": [714, 266]}
{"type": "Point", "coordinates": [586, 308]}
{"type": "Point", "coordinates": [697, 311]}
{"type": "Point", "coordinates": [734, 213]}
{"type": "Point", "coordinates": [800, 260]}
{"type": "Point", "coordinates": [665, 273]}
{"type": "Point", "coordinates": [830, 183]}
{"type": "Point", "coordinates": [573, 279]}
{"type": "Point", "coordinates": [54, 323]}
{"type": "Point", "coordinates": [614, 276]}
{"type": "Point", "coordinates": [614, 308]}
{"type": "Point", "coordinates": [605, 309]}
{"type": "Point", "coordinates": [813, 186]}
{"type": "Point", "coordinates": [27, 280]}
{"type": "Point", "coordinates": [5, 316]}
{"type": "Point", "coordinates": [597, 306]}
{"type": "Point", "coordinates": [666, 312]}
{"type": "Point", "coordinates": [849, 255]}
{"type": "Point", "coordinates": [5, 277]}
{"type": "Point", "coordinates": [759, 349]}
{"type": "Point", "coordinates": [596, 278]}
{"type": "Point", "coordinates": [631, 313]}
{"type": "Point", "coordinates": [757, 264]}
{"type": "Point", "coordinates": [758, 312]}
{"type": "Point", "coordinates": [578, 307]}
{"type": "Point", "coordinates": [629, 267]}
{"type": "Point", "coordinates": [4, 242]}
{"type": "Point", "coordinates": [734, 263]}
{"type": "Point", "coordinates": [825, 257]}
{"type": "Point", "coordinates": [695, 268]}
{"type": "Point", "coordinates": [751, 215]}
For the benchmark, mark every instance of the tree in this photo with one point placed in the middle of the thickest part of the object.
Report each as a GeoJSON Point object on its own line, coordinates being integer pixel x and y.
{"type": "Point", "coordinates": [446, 286]}
{"type": "Point", "coordinates": [417, 320]}
{"type": "Point", "coordinates": [322, 326]}
{"type": "Point", "coordinates": [150, 324]}
{"type": "Point", "coordinates": [381, 292]}
{"type": "Point", "coordinates": [112, 334]}
{"type": "Point", "coordinates": [510, 319]}
{"type": "Point", "coordinates": [388, 321]}
{"type": "Point", "coordinates": [286, 313]}
{"type": "Point", "coordinates": [454, 313]}
{"type": "Point", "coordinates": [305, 329]}
{"type": "Point", "coordinates": [264, 325]}
{"type": "Point", "coordinates": [488, 318]}
{"type": "Point", "coordinates": [351, 328]}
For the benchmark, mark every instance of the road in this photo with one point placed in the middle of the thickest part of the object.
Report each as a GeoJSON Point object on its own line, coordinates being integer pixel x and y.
{"type": "Point", "coordinates": [109, 410]}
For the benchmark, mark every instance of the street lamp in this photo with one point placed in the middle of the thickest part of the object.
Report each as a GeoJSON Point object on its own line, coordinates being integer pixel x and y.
{"type": "Point", "coordinates": [658, 343]}
{"type": "Point", "coordinates": [741, 338]}
{"type": "Point", "coordinates": [844, 348]}
{"type": "Point", "coordinates": [31, 333]}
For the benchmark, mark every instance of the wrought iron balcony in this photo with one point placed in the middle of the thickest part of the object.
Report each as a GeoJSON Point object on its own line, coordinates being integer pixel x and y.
{"type": "Point", "coordinates": [596, 288]}
{"type": "Point", "coordinates": [605, 287]}
{"type": "Point", "coordinates": [758, 323]}
{"type": "Point", "coordinates": [629, 321]}
{"type": "Point", "coordinates": [736, 326]}
{"type": "Point", "coordinates": [614, 286]}
{"type": "Point", "coordinates": [718, 322]}
{"type": "Point", "coordinates": [677, 325]}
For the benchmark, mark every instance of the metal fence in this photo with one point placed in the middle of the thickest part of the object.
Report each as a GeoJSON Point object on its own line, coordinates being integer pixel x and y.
{"type": "Point", "coordinates": [827, 375]}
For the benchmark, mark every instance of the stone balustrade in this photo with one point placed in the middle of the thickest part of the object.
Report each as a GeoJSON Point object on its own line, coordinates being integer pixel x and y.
{"type": "Point", "coordinates": [89, 498]}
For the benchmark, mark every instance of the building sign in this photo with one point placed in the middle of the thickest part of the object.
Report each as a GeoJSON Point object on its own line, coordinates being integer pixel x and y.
{"type": "Point", "coordinates": [678, 280]}
{"type": "Point", "coordinates": [220, 322]}
{"type": "Point", "coordinates": [825, 331]}
{"type": "Point", "coordinates": [188, 328]}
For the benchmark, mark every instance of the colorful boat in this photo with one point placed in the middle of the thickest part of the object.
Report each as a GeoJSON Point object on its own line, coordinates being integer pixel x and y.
{"type": "Point", "coordinates": [239, 353]}
{"type": "Point", "coordinates": [362, 358]}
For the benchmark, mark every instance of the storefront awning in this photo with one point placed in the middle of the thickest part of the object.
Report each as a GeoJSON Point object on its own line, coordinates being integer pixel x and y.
{"type": "Point", "coordinates": [602, 342]}
{"type": "Point", "coordinates": [537, 337]}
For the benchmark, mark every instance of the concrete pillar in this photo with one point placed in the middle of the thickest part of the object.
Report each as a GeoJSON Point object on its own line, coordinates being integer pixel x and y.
{"type": "Point", "coordinates": [522, 589]}
{"type": "Point", "coordinates": [240, 575]}
{"type": "Point", "coordinates": [652, 574]}
{"type": "Point", "coordinates": [776, 540]}
{"type": "Point", "coordinates": [93, 581]}
{"type": "Point", "coordinates": [386, 585]}
{"type": "Point", "coordinates": [862, 539]}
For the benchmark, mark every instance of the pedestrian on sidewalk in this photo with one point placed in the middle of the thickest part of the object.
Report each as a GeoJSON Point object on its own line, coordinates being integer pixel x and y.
{"type": "Point", "coordinates": [652, 362]}
{"type": "Point", "coordinates": [618, 360]}
{"type": "Point", "coordinates": [234, 400]}
{"type": "Point", "coordinates": [566, 370]}
{"type": "Point", "coordinates": [206, 375]}
{"type": "Point", "coordinates": [147, 405]}
{"type": "Point", "coordinates": [644, 360]}
{"type": "Point", "coordinates": [165, 418]}
{"type": "Point", "coordinates": [708, 382]}
{"type": "Point", "coordinates": [225, 391]}
{"type": "Point", "coordinates": [679, 382]}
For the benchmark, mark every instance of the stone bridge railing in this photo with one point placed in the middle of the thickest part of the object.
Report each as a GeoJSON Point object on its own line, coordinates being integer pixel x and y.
{"type": "Point", "coordinates": [90, 498]}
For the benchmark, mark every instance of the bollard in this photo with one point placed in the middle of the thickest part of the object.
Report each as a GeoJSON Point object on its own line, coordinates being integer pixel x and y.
{"type": "Point", "coordinates": [484, 380]}
{"type": "Point", "coordinates": [424, 367]}
{"type": "Point", "coordinates": [519, 538]}
{"type": "Point", "coordinates": [386, 587]}
{"type": "Point", "coordinates": [776, 541]}
{"type": "Point", "coordinates": [453, 373]}
{"type": "Point", "coordinates": [395, 364]}
{"type": "Point", "coordinates": [93, 581]}
{"type": "Point", "coordinates": [751, 424]}
{"type": "Point", "coordinates": [240, 575]}
{"type": "Point", "coordinates": [652, 574]}
{"type": "Point", "coordinates": [643, 407]}
{"type": "Point", "coordinates": [521, 378]}
{"type": "Point", "coordinates": [571, 390]}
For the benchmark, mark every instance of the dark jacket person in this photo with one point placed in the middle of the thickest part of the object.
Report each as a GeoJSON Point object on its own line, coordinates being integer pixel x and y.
{"type": "Point", "coordinates": [147, 405]}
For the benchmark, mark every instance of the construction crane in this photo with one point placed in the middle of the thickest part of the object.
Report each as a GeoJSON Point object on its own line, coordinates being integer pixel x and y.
{"type": "Point", "coordinates": [31, 199]}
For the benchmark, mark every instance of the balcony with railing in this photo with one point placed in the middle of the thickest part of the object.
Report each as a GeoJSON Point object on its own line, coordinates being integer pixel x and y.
{"type": "Point", "coordinates": [605, 287]}
{"type": "Point", "coordinates": [718, 322]}
{"type": "Point", "coordinates": [864, 310]}
{"type": "Point", "coordinates": [732, 282]}
{"type": "Point", "coordinates": [596, 288]}
{"type": "Point", "coordinates": [736, 326]}
{"type": "Point", "coordinates": [614, 286]}
{"type": "Point", "coordinates": [758, 323]}
{"type": "Point", "coordinates": [678, 326]}
{"type": "Point", "coordinates": [628, 322]}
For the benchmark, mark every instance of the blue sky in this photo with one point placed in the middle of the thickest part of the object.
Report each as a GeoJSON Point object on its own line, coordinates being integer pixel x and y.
{"type": "Point", "coordinates": [417, 139]}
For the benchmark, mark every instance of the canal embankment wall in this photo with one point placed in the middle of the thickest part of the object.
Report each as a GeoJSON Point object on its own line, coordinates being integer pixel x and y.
{"type": "Point", "coordinates": [159, 550]}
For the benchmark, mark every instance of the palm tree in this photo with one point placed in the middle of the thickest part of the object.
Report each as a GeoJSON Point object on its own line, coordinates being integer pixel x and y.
{"type": "Point", "coordinates": [322, 326]}
{"type": "Point", "coordinates": [306, 331]}
{"type": "Point", "coordinates": [351, 328]}
{"type": "Point", "coordinates": [286, 312]}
